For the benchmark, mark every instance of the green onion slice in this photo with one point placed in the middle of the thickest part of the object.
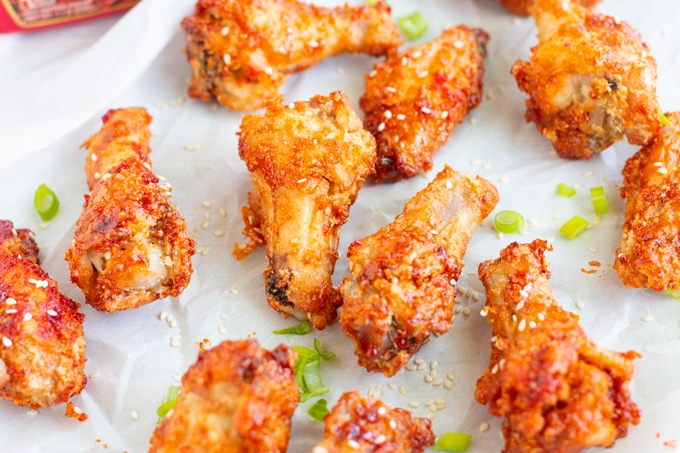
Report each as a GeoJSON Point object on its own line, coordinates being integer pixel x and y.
{"type": "Point", "coordinates": [322, 352]}
{"type": "Point", "coordinates": [573, 227]}
{"type": "Point", "coordinates": [299, 329]}
{"type": "Point", "coordinates": [46, 202]}
{"type": "Point", "coordinates": [372, 2]}
{"type": "Point", "coordinates": [599, 199]}
{"type": "Point", "coordinates": [169, 401]}
{"type": "Point", "coordinates": [319, 410]}
{"type": "Point", "coordinates": [312, 383]}
{"type": "Point", "coordinates": [509, 221]}
{"type": "Point", "coordinates": [674, 292]}
{"type": "Point", "coordinates": [413, 25]}
{"type": "Point", "coordinates": [565, 190]}
{"type": "Point", "coordinates": [456, 442]}
{"type": "Point", "coordinates": [663, 118]}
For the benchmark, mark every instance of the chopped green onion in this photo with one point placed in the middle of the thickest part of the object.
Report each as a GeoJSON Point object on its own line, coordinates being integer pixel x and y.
{"type": "Point", "coordinates": [573, 227]}
{"type": "Point", "coordinates": [599, 199]}
{"type": "Point", "coordinates": [456, 442]}
{"type": "Point", "coordinates": [663, 118]}
{"type": "Point", "coordinates": [413, 25]}
{"type": "Point", "coordinates": [372, 2]}
{"type": "Point", "coordinates": [509, 221]}
{"type": "Point", "coordinates": [674, 292]}
{"type": "Point", "coordinates": [307, 370]}
{"type": "Point", "coordinates": [322, 352]}
{"type": "Point", "coordinates": [313, 385]}
{"type": "Point", "coordinates": [46, 202]}
{"type": "Point", "coordinates": [169, 401]}
{"type": "Point", "coordinates": [319, 410]}
{"type": "Point", "coordinates": [299, 329]}
{"type": "Point", "coordinates": [565, 190]}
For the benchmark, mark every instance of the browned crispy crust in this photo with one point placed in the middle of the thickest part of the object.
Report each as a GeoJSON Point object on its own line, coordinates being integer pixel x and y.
{"type": "Point", "coordinates": [558, 391]}
{"type": "Point", "coordinates": [242, 52]}
{"type": "Point", "coordinates": [237, 397]}
{"type": "Point", "coordinates": [358, 424]}
{"type": "Point", "coordinates": [307, 161]}
{"type": "Point", "coordinates": [400, 287]}
{"type": "Point", "coordinates": [131, 246]}
{"type": "Point", "coordinates": [591, 81]}
{"type": "Point", "coordinates": [649, 255]}
{"type": "Point", "coordinates": [415, 98]}
{"type": "Point", "coordinates": [521, 7]}
{"type": "Point", "coordinates": [42, 345]}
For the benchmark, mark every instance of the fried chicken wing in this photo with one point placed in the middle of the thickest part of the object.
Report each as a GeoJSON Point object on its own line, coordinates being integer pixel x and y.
{"type": "Point", "coordinates": [307, 162]}
{"type": "Point", "coordinates": [131, 246]}
{"type": "Point", "coordinates": [414, 99]}
{"type": "Point", "coordinates": [237, 397]}
{"type": "Point", "coordinates": [42, 350]}
{"type": "Point", "coordinates": [591, 80]}
{"type": "Point", "coordinates": [358, 424]}
{"type": "Point", "coordinates": [521, 7]}
{"type": "Point", "coordinates": [649, 256]}
{"type": "Point", "coordinates": [558, 391]}
{"type": "Point", "coordinates": [399, 290]}
{"type": "Point", "coordinates": [241, 52]}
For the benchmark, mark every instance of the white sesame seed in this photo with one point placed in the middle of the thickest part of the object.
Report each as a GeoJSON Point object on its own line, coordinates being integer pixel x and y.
{"type": "Point", "coordinates": [445, 114]}
{"type": "Point", "coordinates": [77, 410]}
{"type": "Point", "coordinates": [494, 370]}
{"type": "Point", "coordinates": [353, 444]}
{"type": "Point", "coordinates": [10, 301]}
{"type": "Point", "coordinates": [410, 367]}
{"type": "Point", "coordinates": [97, 175]}
{"type": "Point", "coordinates": [390, 89]}
{"type": "Point", "coordinates": [224, 31]}
{"type": "Point", "coordinates": [163, 315]}
{"type": "Point", "coordinates": [233, 291]}
{"type": "Point", "coordinates": [6, 342]}
{"type": "Point", "coordinates": [206, 204]}
{"type": "Point", "coordinates": [268, 70]}
{"type": "Point", "coordinates": [381, 127]}
{"type": "Point", "coordinates": [94, 375]}
{"type": "Point", "coordinates": [134, 415]}
{"type": "Point", "coordinates": [11, 311]}
{"type": "Point", "coordinates": [404, 61]}
{"type": "Point", "coordinates": [428, 378]}
{"type": "Point", "coordinates": [423, 74]}
{"type": "Point", "coordinates": [28, 317]}
{"type": "Point", "coordinates": [520, 305]}
{"type": "Point", "coordinates": [459, 44]}
{"type": "Point", "coordinates": [372, 74]}
{"type": "Point", "coordinates": [541, 316]}
{"type": "Point", "coordinates": [302, 180]}
{"type": "Point", "coordinates": [483, 427]}
{"type": "Point", "coordinates": [51, 312]}
{"type": "Point", "coordinates": [662, 170]}
{"type": "Point", "coordinates": [448, 384]}
{"type": "Point", "coordinates": [176, 337]}
{"type": "Point", "coordinates": [426, 110]}
{"type": "Point", "coordinates": [592, 249]}
{"type": "Point", "coordinates": [224, 316]}
{"type": "Point", "coordinates": [388, 114]}
{"type": "Point", "coordinates": [106, 176]}
{"type": "Point", "coordinates": [402, 390]}
{"type": "Point", "coordinates": [648, 318]}
{"type": "Point", "coordinates": [31, 412]}
{"type": "Point", "coordinates": [579, 304]}
{"type": "Point", "coordinates": [313, 43]}
{"type": "Point", "coordinates": [319, 449]}
{"type": "Point", "coordinates": [177, 377]}
{"type": "Point", "coordinates": [466, 311]}
{"type": "Point", "coordinates": [173, 323]}
{"type": "Point", "coordinates": [380, 439]}
{"type": "Point", "coordinates": [431, 415]}
{"type": "Point", "coordinates": [472, 120]}
{"type": "Point", "coordinates": [414, 404]}
{"type": "Point", "coordinates": [522, 325]}
{"type": "Point", "coordinates": [93, 157]}
{"type": "Point", "coordinates": [434, 364]}
{"type": "Point", "coordinates": [218, 233]}
{"type": "Point", "coordinates": [449, 375]}
{"type": "Point", "coordinates": [226, 58]}
{"type": "Point", "coordinates": [222, 329]}
{"type": "Point", "coordinates": [401, 117]}
{"type": "Point", "coordinates": [532, 324]}
{"type": "Point", "coordinates": [438, 382]}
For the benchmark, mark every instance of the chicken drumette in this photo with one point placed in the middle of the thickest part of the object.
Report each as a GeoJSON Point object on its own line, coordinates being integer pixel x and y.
{"type": "Point", "coordinates": [591, 80]}
{"type": "Point", "coordinates": [415, 98]}
{"type": "Point", "coordinates": [400, 287]}
{"type": "Point", "coordinates": [237, 397]}
{"type": "Point", "coordinates": [42, 350]}
{"type": "Point", "coordinates": [241, 52]}
{"type": "Point", "coordinates": [358, 424]}
{"type": "Point", "coordinates": [131, 246]}
{"type": "Point", "coordinates": [558, 391]}
{"type": "Point", "coordinates": [649, 254]}
{"type": "Point", "coordinates": [521, 7]}
{"type": "Point", "coordinates": [307, 162]}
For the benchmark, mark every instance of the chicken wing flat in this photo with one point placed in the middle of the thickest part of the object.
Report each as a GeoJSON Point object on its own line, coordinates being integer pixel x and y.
{"type": "Point", "coordinates": [42, 350]}
{"type": "Point", "coordinates": [414, 99]}
{"type": "Point", "coordinates": [521, 7]}
{"type": "Point", "coordinates": [237, 397]}
{"type": "Point", "coordinates": [400, 286]}
{"type": "Point", "coordinates": [649, 255]}
{"type": "Point", "coordinates": [558, 391]}
{"type": "Point", "coordinates": [241, 52]}
{"type": "Point", "coordinates": [358, 424]}
{"type": "Point", "coordinates": [131, 246]}
{"type": "Point", "coordinates": [591, 80]}
{"type": "Point", "coordinates": [307, 162]}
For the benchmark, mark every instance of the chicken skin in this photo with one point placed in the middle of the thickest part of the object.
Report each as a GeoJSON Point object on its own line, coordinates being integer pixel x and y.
{"type": "Point", "coordinates": [131, 246]}
{"type": "Point", "coordinates": [649, 255]}
{"type": "Point", "coordinates": [400, 286]}
{"type": "Point", "coordinates": [42, 350]}
{"type": "Point", "coordinates": [307, 162]}
{"type": "Point", "coordinates": [237, 397]}
{"type": "Point", "coordinates": [521, 7]}
{"type": "Point", "coordinates": [241, 52]}
{"type": "Point", "coordinates": [415, 98]}
{"type": "Point", "coordinates": [358, 424]}
{"type": "Point", "coordinates": [558, 391]}
{"type": "Point", "coordinates": [591, 81]}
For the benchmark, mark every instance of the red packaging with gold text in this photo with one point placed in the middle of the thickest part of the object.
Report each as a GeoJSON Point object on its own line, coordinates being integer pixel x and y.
{"type": "Point", "coordinates": [27, 15]}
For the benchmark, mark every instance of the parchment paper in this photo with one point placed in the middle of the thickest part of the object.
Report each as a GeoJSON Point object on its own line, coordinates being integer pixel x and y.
{"type": "Point", "coordinates": [54, 87]}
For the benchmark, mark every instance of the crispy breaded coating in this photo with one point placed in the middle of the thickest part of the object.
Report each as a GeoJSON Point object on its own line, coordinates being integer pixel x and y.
{"type": "Point", "coordinates": [307, 162]}
{"type": "Point", "coordinates": [241, 52]}
{"type": "Point", "coordinates": [521, 7]}
{"type": "Point", "coordinates": [131, 246]}
{"type": "Point", "coordinates": [42, 344]}
{"type": "Point", "coordinates": [558, 391]}
{"type": "Point", "coordinates": [415, 98]}
{"type": "Point", "coordinates": [399, 290]}
{"type": "Point", "coordinates": [648, 256]}
{"type": "Point", "coordinates": [359, 424]}
{"type": "Point", "coordinates": [591, 81]}
{"type": "Point", "coordinates": [237, 397]}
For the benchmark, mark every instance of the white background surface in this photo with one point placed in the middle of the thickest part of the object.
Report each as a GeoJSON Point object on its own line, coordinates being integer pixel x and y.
{"type": "Point", "coordinates": [54, 87]}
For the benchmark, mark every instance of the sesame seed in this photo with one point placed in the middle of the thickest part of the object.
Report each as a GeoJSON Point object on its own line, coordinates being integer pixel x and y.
{"type": "Point", "coordinates": [163, 315]}
{"type": "Point", "coordinates": [410, 367]}
{"type": "Point", "coordinates": [404, 61]}
{"type": "Point", "coordinates": [218, 233]}
{"type": "Point", "coordinates": [177, 377]}
{"type": "Point", "coordinates": [313, 43]}
{"type": "Point", "coordinates": [173, 323]}
{"type": "Point", "coordinates": [93, 157]}
{"type": "Point", "coordinates": [390, 89]}
{"type": "Point", "coordinates": [380, 439]}
{"type": "Point", "coordinates": [428, 378]}
{"type": "Point", "coordinates": [391, 385]}
{"type": "Point", "coordinates": [31, 412]}
{"type": "Point", "coordinates": [494, 370]}
{"type": "Point", "coordinates": [134, 415]}
{"type": "Point", "coordinates": [401, 117]}
{"type": "Point", "coordinates": [388, 114]}
{"type": "Point", "coordinates": [520, 305]}
{"type": "Point", "coordinates": [51, 312]}
{"type": "Point", "coordinates": [28, 317]}
{"type": "Point", "coordinates": [94, 375]}
{"type": "Point", "coordinates": [541, 316]}
{"type": "Point", "coordinates": [466, 311]}
{"type": "Point", "coordinates": [438, 382]}
{"type": "Point", "coordinates": [192, 147]}
{"type": "Point", "coordinates": [372, 73]}
{"type": "Point", "coordinates": [176, 337]}
{"type": "Point", "coordinates": [223, 212]}
{"type": "Point", "coordinates": [448, 384]}
{"type": "Point", "coordinates": [648, 318]}
{"type": "Point", "coordinates": [319, 449]}
{"type": "Point", "coordinates": [459, 44]}
{"type": "Point", "coordinates": [97, 175]}
{"type": "Point", "coordinates": [381, 127]}
{"type": "Point", "coordinates": [532, 324]}
{"type": "Point", "coordinates": [77, 410]}
{"type": "Point", "coordinates": [10, 301]}
{"type": "Point", "coordinates": [393, 424]}
{"type": "Point", "coordinates": [445, 114]}
{"type": "Point", "coordinates": [431, 415]}
{"type": "Point", "coordinates": [206, 204]}
{"type": "Point", "coordinates": [222, 329]}
{"type": "Point", "coordinates": [472, 120]}
{"type": "Point", "coordinates": [423, 74]}
{"type": "Point", "coordinates": [268, 70]}
{"type": "Point", "coordinates": [483, 427]}
{"type": "Point", "coordinates": [587, 173]}
{"type": "Point", "coordinates": [402, 390]}
{"type": "Point", "coordinates": [522, 325]}
{"type": "Point", "coordinates": [224, 31]}
{"type": "Point", "coordinates": [417, 54]}
{"type": "Point", "coordinates": [418, 361]}
{"type": "Point", "coordinates": [302, 180]}
{"type": "Point", "coordinates": [426, 110]}
{"type": "Point", "coordinates": [433, 365]}
{"type": "Point", "coordinates": [106, 176]}
{"type": "Point", "coordinates": [224, 316]}
{"type": "Point", "coordinates": [662, 170]}
{"type": "Point", "coordinates": [226, 58]}
{"type": "Point", "coordinates": [353, 444]}
{"type": "Point", "coordinates": [414, 404]}
{"type": "Point", "coordinates": [592, 249]}
{"type": "Point", "coordinates": [11, 311]}
{"type": "Point", "coordinates": [6, 342]}
{"type": "Point", "coordinates": [579, 304]}
{"type": "Point", "coordinates": [505, 179]}
{"type": "Point", "coordinates": [233, 291]}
